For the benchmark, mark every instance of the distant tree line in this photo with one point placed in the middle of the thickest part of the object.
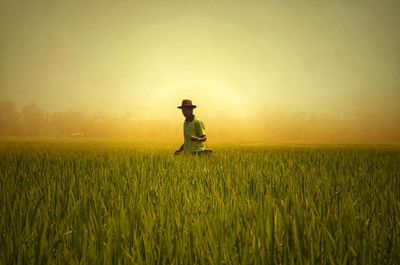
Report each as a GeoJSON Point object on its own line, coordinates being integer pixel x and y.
{"type": "Point", "coordinates": [349, 126]}
{"type": "Point", "coordinates": [31, 120]}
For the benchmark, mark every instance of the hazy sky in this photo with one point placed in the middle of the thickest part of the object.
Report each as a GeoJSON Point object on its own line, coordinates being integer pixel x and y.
{"type": "Point", "coordinates": [228, 56]}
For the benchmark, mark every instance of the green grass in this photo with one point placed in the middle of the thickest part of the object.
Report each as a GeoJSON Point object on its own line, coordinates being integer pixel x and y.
{"type": "Point", "coordinates": [116, 203]}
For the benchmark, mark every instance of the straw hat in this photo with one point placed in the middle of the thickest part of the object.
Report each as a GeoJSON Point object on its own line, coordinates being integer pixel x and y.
{"type": "Point", "coordinates": [187, 103]}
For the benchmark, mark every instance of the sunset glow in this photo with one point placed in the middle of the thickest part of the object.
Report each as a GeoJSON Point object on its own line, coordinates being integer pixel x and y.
{"type": "Point", "coordinates": [253, 66]}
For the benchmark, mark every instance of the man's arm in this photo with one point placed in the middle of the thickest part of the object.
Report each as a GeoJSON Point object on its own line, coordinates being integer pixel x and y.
{"type": "Point", "coordinates": [179, 150]}
{"type": "Point", "coordinates": [203, 138]}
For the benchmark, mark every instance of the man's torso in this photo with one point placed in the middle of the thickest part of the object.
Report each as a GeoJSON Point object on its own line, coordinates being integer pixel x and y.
{"type": "Point", "coordinates": [193, 128]}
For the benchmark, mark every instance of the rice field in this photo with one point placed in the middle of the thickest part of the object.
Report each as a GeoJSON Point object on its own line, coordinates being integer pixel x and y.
{"type": "Point", "coordinates": [78, 202]}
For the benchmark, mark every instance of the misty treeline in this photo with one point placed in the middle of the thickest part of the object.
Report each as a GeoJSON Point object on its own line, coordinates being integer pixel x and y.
{"type": "Point", "coordinates": [32, 120]}
{"type": "Point", "coordinates": [283, 126]}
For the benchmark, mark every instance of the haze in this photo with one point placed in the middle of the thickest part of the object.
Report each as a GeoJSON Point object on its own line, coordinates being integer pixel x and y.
{"type": "Point", "coordinates": [256, 69]}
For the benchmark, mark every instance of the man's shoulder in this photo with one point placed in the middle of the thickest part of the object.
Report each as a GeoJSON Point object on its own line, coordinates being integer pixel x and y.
{"type": "Point", "coordinates": [196, 120]}
{"type": "Point", "coordinates": [199, 124]}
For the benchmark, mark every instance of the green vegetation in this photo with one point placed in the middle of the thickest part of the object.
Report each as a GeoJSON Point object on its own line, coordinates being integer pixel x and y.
{"type": "Point", "coordinates": [116, 203]}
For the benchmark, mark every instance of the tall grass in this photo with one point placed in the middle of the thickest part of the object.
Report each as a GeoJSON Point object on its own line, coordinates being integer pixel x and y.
{"type": "Point", "coordinates": [69, 203]}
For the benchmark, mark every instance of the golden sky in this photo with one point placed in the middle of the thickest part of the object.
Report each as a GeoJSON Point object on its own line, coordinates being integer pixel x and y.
{"type": "Point", "coordinates": [236, 58]}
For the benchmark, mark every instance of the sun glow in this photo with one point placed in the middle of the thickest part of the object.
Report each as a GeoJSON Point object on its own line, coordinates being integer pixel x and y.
{"type": "Point", "coordinates": [258, 63]}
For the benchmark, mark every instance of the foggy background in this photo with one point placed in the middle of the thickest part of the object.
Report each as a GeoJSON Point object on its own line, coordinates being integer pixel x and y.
{"type": "Point", "coordinates": [273, 71]}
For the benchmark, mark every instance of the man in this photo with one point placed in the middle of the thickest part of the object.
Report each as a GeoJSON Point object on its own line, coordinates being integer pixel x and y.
{"type": "Point", "coordinates": [193, 131]}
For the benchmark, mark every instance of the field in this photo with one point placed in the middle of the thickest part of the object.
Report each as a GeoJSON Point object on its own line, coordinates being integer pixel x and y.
{"type": "Point", "coordinates": [78, 202]}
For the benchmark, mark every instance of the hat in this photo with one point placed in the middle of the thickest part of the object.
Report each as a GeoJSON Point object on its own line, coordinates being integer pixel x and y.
{"type": "Point", "coordinates": [187, 103]}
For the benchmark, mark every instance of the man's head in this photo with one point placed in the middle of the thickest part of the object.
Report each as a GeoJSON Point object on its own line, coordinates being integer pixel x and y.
{"type": "Point", "coordinates": [187, 112]}
{"type": "Point", "coordinates": [187, 108]}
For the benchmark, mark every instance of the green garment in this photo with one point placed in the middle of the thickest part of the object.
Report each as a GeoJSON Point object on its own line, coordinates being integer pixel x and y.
{"type": "Point", "coordinates": [193, 128]}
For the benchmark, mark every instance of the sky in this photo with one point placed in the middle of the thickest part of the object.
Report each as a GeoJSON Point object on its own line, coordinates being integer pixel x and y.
{"type": "Point", "coordinates": [232, 58]}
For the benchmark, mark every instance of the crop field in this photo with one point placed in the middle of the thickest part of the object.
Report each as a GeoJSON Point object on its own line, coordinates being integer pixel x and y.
{"type": "Point", "coordinates": [78, 202]}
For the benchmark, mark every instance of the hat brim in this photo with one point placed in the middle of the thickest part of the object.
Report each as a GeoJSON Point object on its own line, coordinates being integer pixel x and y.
{"type": "Point", "coordinates": [187, 106]}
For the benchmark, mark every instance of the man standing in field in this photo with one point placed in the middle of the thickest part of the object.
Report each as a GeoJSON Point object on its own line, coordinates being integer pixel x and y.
{"type": "Point", "coordinates": [193, 131]}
